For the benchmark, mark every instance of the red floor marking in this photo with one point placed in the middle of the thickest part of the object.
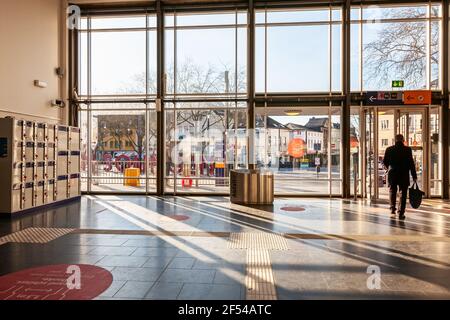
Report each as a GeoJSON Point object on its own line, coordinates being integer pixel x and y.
{"type": "Point", "coordinates": [178, 217]}
{"type": "Point", "coordinates": [51, 283]}
{"type": "Point", "coordinates": [293, 209]}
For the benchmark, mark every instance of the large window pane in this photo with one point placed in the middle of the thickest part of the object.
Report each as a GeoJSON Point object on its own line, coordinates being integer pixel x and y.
{"type": "Point", "coordinates": [293, 66]}
{"type": "Point", "coordinates": [299, 51]}
{"type": "Point", "coordinates": [83, 64]}
{"type": "Point", "coordinates": [207, 19]}
{"type": "Point", "coordinates": [113, 50]}
{"type": "Point", "coordinates": [394, 51]}
{"type": "Point", "coordinates": [118, 22]}
{"type": "Point", "coordinates": [378, 13]}
{"type": "Point", "coordinates": [435, 56]}
{"type": "Point", "coordinates": [210, 60]}
{"type": "Point", "coordinates": [205, 60]}
{"type": "Point", "coordinates": [297, 16]}
{"type": "Point", "coordinates": [336, 56]}
{"type": "Point", "coordinates": [397, 43]}
{"type": "Point", "coordinates": [118, 142]}
{"type": "Point", "coordinates": [118, 63]}
{"type": "Point", "coordinates": [355, 57]}
{"type": "Point", "coordinates": [202, 147]}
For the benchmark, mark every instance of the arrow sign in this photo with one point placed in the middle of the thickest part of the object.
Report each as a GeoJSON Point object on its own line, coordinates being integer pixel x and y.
{"type": "Point", "coordinates": [383, 98]}
{"type": "Point", "coordinates": [417, 97]}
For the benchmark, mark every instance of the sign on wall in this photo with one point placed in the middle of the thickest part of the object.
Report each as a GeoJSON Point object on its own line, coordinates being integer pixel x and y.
{"type": "Point", "coordinates": [398, 83]}
{"type": "Point", "coordinates": [417, 97]}
{"type": "Point", "coordinates": [384, 98]}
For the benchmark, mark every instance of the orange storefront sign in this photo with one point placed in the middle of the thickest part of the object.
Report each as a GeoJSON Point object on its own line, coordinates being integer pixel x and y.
{"type": "Point", "coordinates": [354, 143]}
{"type": "Point", "coordinates": [417, 97]}
{"type": "Point", "coordinates": [297, 148]}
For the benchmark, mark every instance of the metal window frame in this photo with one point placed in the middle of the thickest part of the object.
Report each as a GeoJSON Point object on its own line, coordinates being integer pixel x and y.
{"type": "Point", "coordinates": [346, 97]}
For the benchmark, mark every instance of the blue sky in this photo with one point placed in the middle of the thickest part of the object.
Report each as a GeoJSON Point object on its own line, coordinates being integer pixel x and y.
{"type": "Point", "coordinates": [298, 56]}
{"type": "Point", "coordinates": [118, 56]}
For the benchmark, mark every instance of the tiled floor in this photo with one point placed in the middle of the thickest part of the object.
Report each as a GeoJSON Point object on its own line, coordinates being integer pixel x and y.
{"type": "Point", "coordinates": [331, 244]}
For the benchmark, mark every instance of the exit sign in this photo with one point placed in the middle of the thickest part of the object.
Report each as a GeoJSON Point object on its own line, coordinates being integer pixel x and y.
{"type": "Point", "coordinates": [398, 84]}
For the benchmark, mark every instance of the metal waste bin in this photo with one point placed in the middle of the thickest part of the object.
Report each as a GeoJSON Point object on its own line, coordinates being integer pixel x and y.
{"type": "Point", "coordinates": [251, 186]}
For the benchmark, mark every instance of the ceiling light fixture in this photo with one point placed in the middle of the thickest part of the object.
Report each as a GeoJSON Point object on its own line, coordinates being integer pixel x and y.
{"type": "Point", "coordinates": [292, 112]}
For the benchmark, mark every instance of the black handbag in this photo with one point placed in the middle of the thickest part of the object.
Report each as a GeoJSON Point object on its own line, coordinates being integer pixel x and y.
{"type": "Point", "coordinates": [415, 196]}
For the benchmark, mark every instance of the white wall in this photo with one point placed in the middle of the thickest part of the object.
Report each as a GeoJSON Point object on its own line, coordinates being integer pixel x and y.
{"type": "Point", "coordinates": [30, 49]}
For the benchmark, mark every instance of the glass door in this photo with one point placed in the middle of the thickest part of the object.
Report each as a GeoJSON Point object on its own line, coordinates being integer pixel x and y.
{"type": "Point", "coordinates": [412, 125]}
{"type": "Point", "coordinates": [369, 185]}
{"type": "Point", "coordinates": [387, 126]}
{"type": "Point", "coordinates": [302, 147]}
{"type": "Point", "coordinates": [381, 124]}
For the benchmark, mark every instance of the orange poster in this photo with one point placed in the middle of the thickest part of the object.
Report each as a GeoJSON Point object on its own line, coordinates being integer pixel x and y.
{"type": "Point", "coordinates": [297, 148]}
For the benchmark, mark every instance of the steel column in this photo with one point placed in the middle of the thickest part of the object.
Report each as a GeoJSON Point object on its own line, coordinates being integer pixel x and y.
{"type": "Point", "coordinates": [345, 119]}
{"type": "Point", "coordinates": [251, 82]}
{"type": "Point", "coordinates": [160, 70]}
{"type": "Point", "coordinates": [444, 125]}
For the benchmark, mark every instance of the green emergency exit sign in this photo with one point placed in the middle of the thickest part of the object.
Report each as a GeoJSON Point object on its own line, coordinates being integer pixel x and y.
{"type": "Point", "coordinates": [398, 83]}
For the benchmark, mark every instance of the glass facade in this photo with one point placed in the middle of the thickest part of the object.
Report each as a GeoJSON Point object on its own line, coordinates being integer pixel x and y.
{"type": "Point", "coordinates": [205, 97]}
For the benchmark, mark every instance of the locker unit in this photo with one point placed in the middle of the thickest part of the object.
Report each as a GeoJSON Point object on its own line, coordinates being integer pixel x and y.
{"type": "Point", "coordinates": [50, 174]}
{"type": "Point", "coordinates": [63, 163]}
{"type": "Point", "coordinates": [74, 185]}
{"type": "Point", "coordinates": [74, 161]}
{"type": "Point", "coordinates": [74, 139]}
{"type": "Point", "coordinates": [16, 197]}
{"type": "Point", "coordinates": [62, 188]}
{"type": "Point", "coordinates": [50, 155]}
{"type": "Point", "coordinates": [40, 151]}
{"type": "Point", "coordinates": [27, 195]}
{"type": "Point", "coordinates": [39, 193]}
{"type": "Point", "coordinates": [29, 151]}
{"type": "Point", "coordinates": [62, 137]}
{"type": "Point", "coordinates": [18, 151]}
{"type": "Point", "coordinates": [39, 164]}
{"type": "Point", "coordinates": [29, 172]}
{"type": "Point", "coordinates": [39, 171]}
{"type": "Point", "coordinates": [29, 131]}
{"type": "Point", "coordinates": [50, 191]}
{"type": "Point", "coordinates": [40, 131]}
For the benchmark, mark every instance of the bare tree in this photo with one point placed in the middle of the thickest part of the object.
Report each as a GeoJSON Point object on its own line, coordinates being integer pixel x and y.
{"type": "Point", "coordinates": [399, 50]}
{"type": "Point", "coordinates": [193, 79]}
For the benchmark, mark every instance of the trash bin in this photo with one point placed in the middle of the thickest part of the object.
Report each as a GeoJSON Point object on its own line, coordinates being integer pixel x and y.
{"type": "Point", "coordinates": [251, 186]}
{"type": "Point", "coordinates": [132, 177]}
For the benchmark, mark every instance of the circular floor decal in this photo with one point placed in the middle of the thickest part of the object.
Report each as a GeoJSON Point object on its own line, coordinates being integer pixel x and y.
{"type": "Point", "coordinates": [56, 282]}
{"type": "Point", "coordinates": [293, 209]}
{"type": "Point", "coordinates": [178, 217]}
